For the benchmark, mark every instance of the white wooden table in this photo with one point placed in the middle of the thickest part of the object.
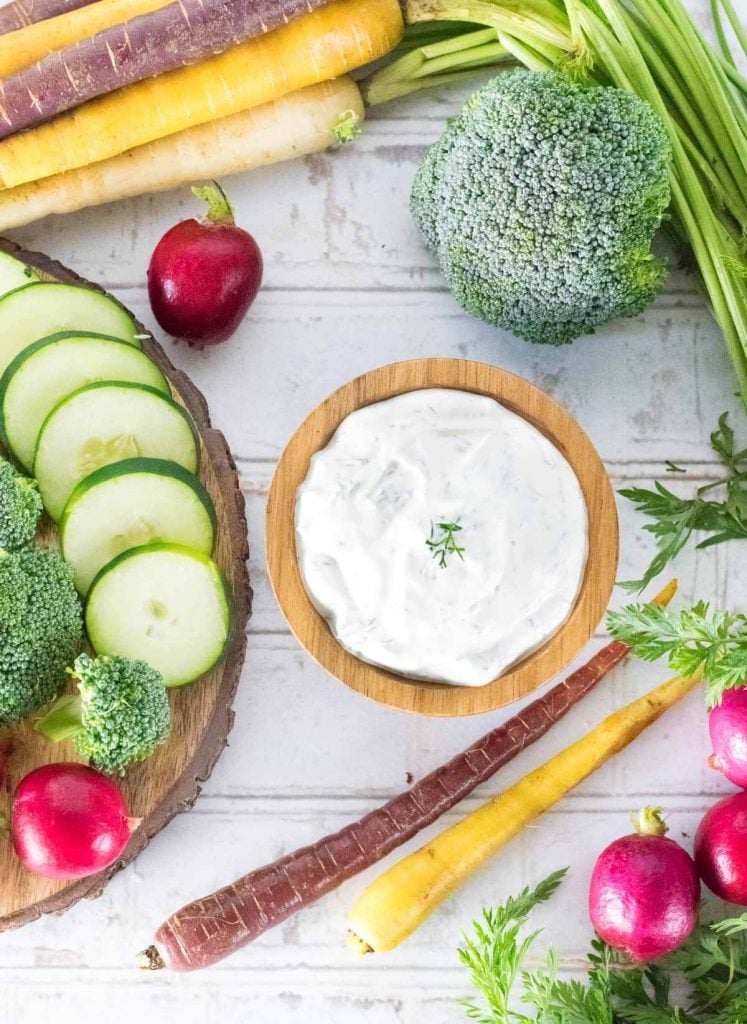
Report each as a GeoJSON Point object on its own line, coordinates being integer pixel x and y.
{"type": "Point", "coordinates": [348, 287]}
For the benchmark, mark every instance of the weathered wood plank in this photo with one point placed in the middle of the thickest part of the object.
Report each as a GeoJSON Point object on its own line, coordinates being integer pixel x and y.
{"type": "Point", "coordinates": [645, 390]}
{"type": "Point", "coordinates": [337, 217]}
{"type": "Point", "coordinates": [307, 953]}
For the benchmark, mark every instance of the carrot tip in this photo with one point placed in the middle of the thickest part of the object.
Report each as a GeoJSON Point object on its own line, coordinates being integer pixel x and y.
{"type": "Point", "coordinates": [358, 945]}
{"type": "Point", "coordinates": [667, 593]}
{"type": "Point", "coordinates": [150, 960]}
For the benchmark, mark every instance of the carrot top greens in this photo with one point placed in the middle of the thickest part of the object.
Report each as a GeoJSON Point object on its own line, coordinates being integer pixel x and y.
{"type": "Point", "coordinates": [697, 639]}
{"type": "Point", "coordinates": [675, 519]}
{"type": "Point", "coordinates": [710, 969]}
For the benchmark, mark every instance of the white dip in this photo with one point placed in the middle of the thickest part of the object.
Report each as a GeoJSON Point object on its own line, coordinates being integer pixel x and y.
{"type": "Point", "coordinates": [375, 495]}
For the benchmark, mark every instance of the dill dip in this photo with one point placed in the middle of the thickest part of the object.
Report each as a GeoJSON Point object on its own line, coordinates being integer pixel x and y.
{"type": "Point", "coordinates": [441, 536]}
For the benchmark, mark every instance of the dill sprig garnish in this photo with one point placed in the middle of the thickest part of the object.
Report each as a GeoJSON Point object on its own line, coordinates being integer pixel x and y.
{"type": "Point", "coordinates": [445, 544]}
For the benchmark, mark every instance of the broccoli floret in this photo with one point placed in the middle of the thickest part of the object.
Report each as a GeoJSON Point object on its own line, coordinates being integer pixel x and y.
{"type": "Point", "coordinates": [41, 630]}
{"type": "Point", "coordinates": [120, 714]}
{"type": "Point", "coordinates": [20, 508]}
{"type": "Point", "coordinates": [540, 201]}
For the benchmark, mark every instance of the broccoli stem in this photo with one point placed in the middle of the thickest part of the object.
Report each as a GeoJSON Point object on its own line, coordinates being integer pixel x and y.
{"type": "Point", "coordinates": [703, 147]}
{"type": "Point", "coordinates": [714, 91]}
{"type": "Point", "coordinates": [538, 21]}
{"type": "Point", "coordinates": [707, 236]}
{"type": "Point", "coordinates": [434, 63]}
{"type": "Point", "coordinates": [736, 24]}
{"type": "Point", "coordinates": [737, 80]}
{"type": "Point", "coordinates": [718, 24]}
{"type": "Point", "coordinates": [63, 720]}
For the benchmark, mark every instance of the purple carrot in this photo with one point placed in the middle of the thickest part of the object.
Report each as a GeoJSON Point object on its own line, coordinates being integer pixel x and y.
{"type": "Point", "coordinates": [181, 33]}
{"type": "Point", "coordinates": [211, 928]}
{"type": "Point", "coordinates": [20, 13]}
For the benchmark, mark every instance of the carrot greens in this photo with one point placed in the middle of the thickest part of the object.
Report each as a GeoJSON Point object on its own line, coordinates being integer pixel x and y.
{"type": "Point", "coordinates": [675, 519]}
{"type": "Point", "coordinates": [692, 639]}
{"type": "Point", "coordinates": [709, 970]}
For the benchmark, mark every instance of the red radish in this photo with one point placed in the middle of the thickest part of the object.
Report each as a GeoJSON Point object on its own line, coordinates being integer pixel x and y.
{"type": "Point", "coordinates": [728, 727]}
{"type": "Point", "coordinates": [69, 821]}
{"type": "Point", "coordinates": [205, 274]}
{"type": "Point", "coordinates": [644, 891]}
{"type": "Point", "coordinates": [721, 849]}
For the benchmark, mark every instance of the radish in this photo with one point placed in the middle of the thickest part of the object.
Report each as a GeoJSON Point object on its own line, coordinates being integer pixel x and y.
{"type": "Point", "coordinates": [69, 821]}
{"type": "Point", "coordinates": [728, 727]}
{"type": "Point", "coordinates": [721, 849]}
{"type": "Point", "coordinates": [644, 892]}
{"type": "Point", "coordinates": [204, 274]}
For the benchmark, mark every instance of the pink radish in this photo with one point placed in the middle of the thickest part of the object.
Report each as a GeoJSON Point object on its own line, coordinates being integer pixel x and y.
{"type": "Point", "coordinates": [721, 849]}
{"type": "Point", "coordinates": [644, 892]}
{"type": "Point", "coordinates": [69, 821]}
{"type": "Point", "coordinates": [728, 727]}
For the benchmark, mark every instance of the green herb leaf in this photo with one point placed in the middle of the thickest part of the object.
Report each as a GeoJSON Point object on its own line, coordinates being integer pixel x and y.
{"type": "Point", "coordinates": [693, 639]}
{"type": "Point", "coordinates": [494, 953]}
{"type": "Point", "coordinates": [675, 519]}
{"type": "Point", "coordinates": [709, 972]}
{"type": "Point", "coordinates": [444, 543]}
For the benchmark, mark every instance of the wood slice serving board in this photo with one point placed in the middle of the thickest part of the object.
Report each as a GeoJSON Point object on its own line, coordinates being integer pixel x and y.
{"type": "Point", "coordinates": [525, 400]}
{"type": "Point", "coordinates": [170, 781]}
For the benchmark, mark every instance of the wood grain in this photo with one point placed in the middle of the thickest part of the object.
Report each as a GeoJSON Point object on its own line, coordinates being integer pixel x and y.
{"type": "Point", "coordinates": [171, 780]}
{"type": "Point", "coordinates": [537, 408]}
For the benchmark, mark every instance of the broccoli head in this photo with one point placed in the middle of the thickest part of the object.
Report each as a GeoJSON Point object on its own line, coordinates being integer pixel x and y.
{"type": "Point", "coordinates": [540, 201]}
{"type": "Point", "coordinates": [20, 508]}
{"type": "Point", "coordinates": [41, 630]}
{"type": "Point", "coordinates": [120, 714]}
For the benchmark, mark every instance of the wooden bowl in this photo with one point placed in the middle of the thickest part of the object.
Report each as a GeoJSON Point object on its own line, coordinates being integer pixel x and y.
{"type": "Point", "coordinates": [538, 409]}
{"type": "Point", "coordinates": [202, 717]}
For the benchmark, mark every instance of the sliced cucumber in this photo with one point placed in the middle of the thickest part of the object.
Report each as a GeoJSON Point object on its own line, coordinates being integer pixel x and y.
{"type": "Point", "coordinates": [14, 274]}
{"type": "Point", "coordinates": [129, 504]}
{"type": "Point", "coordinates": [165, 604]}
{"type": "Point", "coordinates": [45, 308]}
{"type": "Point", "coordinates": [48, 370]}
{"type": "Point", "coordinates": [103, 423]}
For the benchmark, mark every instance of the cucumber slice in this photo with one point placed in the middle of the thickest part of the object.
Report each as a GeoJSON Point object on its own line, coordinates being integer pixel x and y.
{"type": "Point", "coordinates": [129, 504]}
{"type": "Point", "coordinates": [103, 423]}
{"type": "Point", "coordinates": [48, 370]}
{"type": "Point", "coordinates": [165, 604]}
{"type": "Point", "coordinates": [14, 274]}
{"type": "Point", "coordinates": [45, 308]}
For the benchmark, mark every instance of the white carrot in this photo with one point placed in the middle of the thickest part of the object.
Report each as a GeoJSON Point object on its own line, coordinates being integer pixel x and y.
{"type": "Point", "coordinates": [302, 122]}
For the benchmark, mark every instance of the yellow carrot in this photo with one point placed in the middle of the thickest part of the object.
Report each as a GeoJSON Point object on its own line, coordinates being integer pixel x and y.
{"type": "Point", "coordinates": [302, 122]}
{"type": "Point", "coordinates": [400, 899]}
{"type": "Point", "coordinates": [28, 45]}
{"type": "Point", "coordinates": [319, 46]}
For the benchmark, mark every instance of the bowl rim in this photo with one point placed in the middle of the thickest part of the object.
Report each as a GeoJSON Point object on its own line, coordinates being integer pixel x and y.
{"type": "Point", "coordinates": [537, 408]}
